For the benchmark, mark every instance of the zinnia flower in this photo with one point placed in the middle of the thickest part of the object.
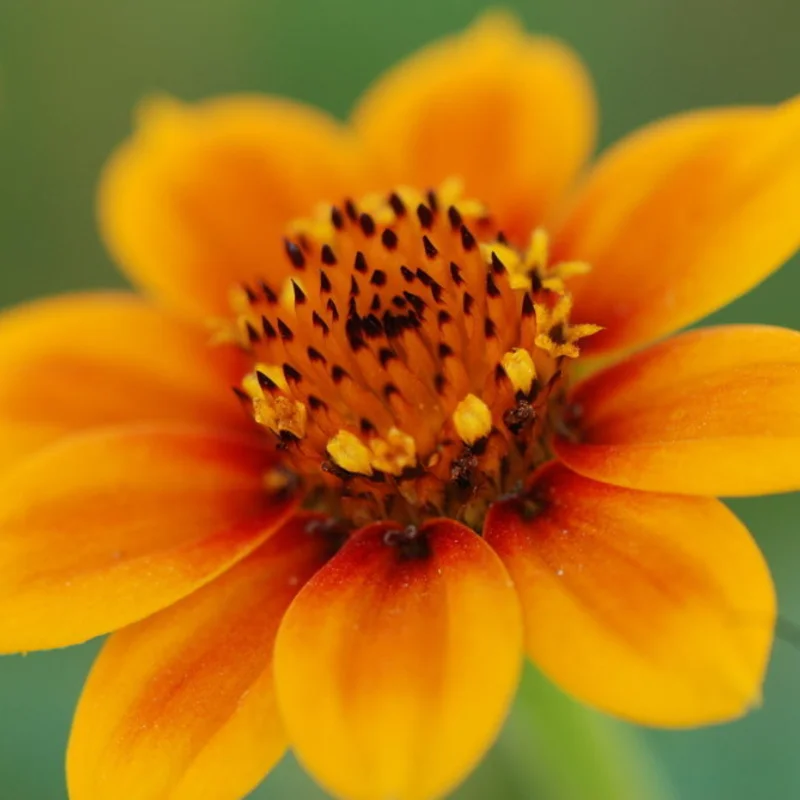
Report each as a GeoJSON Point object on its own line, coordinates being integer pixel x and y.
{"type": "Point", "coordinates": [417, 478]}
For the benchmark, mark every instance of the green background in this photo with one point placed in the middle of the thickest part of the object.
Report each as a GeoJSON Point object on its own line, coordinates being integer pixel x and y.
{"type": "Point", "coordinates": [70, 72]}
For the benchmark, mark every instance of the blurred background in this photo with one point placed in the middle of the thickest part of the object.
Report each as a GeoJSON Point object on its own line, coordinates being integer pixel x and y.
{"type": "Point", "coordinates": [70, 73]}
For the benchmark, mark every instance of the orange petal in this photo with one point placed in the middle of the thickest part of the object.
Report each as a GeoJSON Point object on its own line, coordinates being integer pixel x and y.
{"type": "Point", "coordinates": [714, 412]}
{"type": "Point", "coordinates": [657, 608]}
{"type": "Point", "coordinates": [397, 662]}
{"type": "Point", "coordinates": [682, 217]}
{"type": "Point", "coordinates": [181, 706]}
{"type": "Point", "coordinates": [512, 115]}
{"type": "Point", "coordinates": [88, 360]}
{"type": "Point", "coordinates": [107, 527]}
{"type": "Point", "coordinates": [199, 197]}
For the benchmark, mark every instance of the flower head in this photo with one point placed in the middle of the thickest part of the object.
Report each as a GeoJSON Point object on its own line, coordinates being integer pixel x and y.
{"type": "Point", "coordinates": [410, 483]}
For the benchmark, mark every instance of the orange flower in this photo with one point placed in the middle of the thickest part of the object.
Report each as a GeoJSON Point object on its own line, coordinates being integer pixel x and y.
{"type": "Point", "coordinates": [409, 486]}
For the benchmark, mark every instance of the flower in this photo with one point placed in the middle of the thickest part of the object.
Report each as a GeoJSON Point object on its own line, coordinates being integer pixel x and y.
{"type": "Point", "coordinates": [411, 484]}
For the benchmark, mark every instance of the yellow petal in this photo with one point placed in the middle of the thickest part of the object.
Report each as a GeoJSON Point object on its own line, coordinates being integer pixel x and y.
{"type": "Point", "coordinates": [181, 706]}
{"type": "Point", "coordinates": [657, 608]}
{"type": "Point", "coordinates": [714, 411]}
{"type": "Point", "coordinates": [396, 663]}
{"type": "Point", "coordinates": [512, 115]}
{"type": "Point", "coordinates": [107, 527]}
{"type": "Point", "coordinates": [88, 360]}
{"type": "Point", "coordinates": [199, 198]}
{"type": "Point", "coordinates": [682, 217]}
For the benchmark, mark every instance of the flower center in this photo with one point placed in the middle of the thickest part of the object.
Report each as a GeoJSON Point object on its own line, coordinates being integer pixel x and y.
{"type": "Point", "coordinates": [411, 366]}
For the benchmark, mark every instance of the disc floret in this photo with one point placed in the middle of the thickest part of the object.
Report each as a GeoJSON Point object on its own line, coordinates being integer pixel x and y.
{"type": "Point", "coordinates": [411, 364]}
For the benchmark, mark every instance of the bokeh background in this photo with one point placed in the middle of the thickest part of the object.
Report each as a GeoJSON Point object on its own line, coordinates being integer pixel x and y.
{"type": "Point", "coordinates": [70, 73]}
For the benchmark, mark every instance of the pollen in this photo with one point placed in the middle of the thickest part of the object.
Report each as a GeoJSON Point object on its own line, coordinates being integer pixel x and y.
{"type": "Point", "coordinates": [473, 419]}
{"type": "Point", "coordinates": [409, 362]}
{"type": "Point", "coordinates": [350, 453]}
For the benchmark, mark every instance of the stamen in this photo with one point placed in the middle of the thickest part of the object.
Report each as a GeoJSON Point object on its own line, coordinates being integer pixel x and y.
{"type": "Point", "coordinates": [410, 366]}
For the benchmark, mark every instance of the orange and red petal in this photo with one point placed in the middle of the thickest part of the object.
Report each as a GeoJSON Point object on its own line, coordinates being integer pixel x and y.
{"type": "Point", "coordinates": [657, 608]}
{"type": "Point", "coordinates": [181, 706]}
{"type": "Point", "coordinates": [396, 664]}
{"type": "Point", "coordinates": [682, 217]}
{"type": "Point", "coordinates": [107, 527]}
{"type": "Point", "coordinates": [512, 115]}
{"type": "Point", "coordinates": [714, 411]}
{"type": "Point", "coordinates": [198, 199]}
{"type": "Point", "coordinates": [88, 360]}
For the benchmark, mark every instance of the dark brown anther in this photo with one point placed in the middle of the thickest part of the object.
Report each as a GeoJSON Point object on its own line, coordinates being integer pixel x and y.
{"type": "Point", "coordinates": [291, 374]}
{"type": "Point", "coordinates": [423, 276]}
{"type": "Point", "coordinates": [497, 265]}
{"type": "Point", "coordinates": [252, 297]}
{"type": "Point", "coordinates": [399, 302]}
{"type": "Point", "coordinates": [355, 290]}
{"type": "Point", "coordinates": [527, 306]}
{"type": "Point", "coordinates": [425, 216]}
{"type": "Point", "coordinates": [337, 219]}
{"type": "Point", "coordinates": [557, 334]}
{"type": "Point", "coordinates": [324, 282]}
{"type": "Point", "coordinates": [315, 355]}
{"type": "Point", "coordinates": [353, 330]}
{"type": "Point", "coordinates": [375, 305]}
{"type": "Point", "coordinates": [489, 328]}
{"type": "Point", "coordinates": [285, 331]}
{"type": "Point", "coordinates": [360, 263]}
{"type": "Point", "coordinates": [410, 542]}
{"type": "Point", "coordinates": [320, 323]}
{"type": "Point", "coordinates": [269, 328]}
{"type": "Point", "coordinates": [467, 239]}
{"type": "Point", "coordinates": [270, 296]}
{"type": "Point", "coordinates": [443, 317]}
{"type": "Point", "coordinates": [252, 334]}
{"type": "Point", "coordinates": [315, 404]}
{"type": "Point", "coordinates": [295, 254]}
{"type": "Point", "coordinates": [389, 239]}
{"type": "Point", "coordinates": [389, 389]}
{"type": "Point", "coordinates": [430, 249]}
{"type": "Point", "coordinates": [334, 312]}
{"type": "Point", "coordinates": [265, 382]}
{"type": "Point", "coordinates": [536, 281]}
{"type": "Point", "coordinates": [417, 303]}
{"type": "Point", "coordinates": [338, 374]}
{"type": "Point", "coordinates": [439, 382]}
{"type": "Point", "coordinates": [397, 204]}
{"type": "Point", "coordinates": [327, 255]}
{"type": "Point", "coordinates": [408, 275]}
{"type": "Point", "coordinates": [445, 351]}
{"type": "Point", "coordinates": [467, 303]}
{"type": "Point", "coordinates": [299, 294]}
{"type": "Point", "coordinates": [433, 200]}
{"type": "Point", "coordinates": [365, 426]}
{"type": "Point", "coordinates": [372, 326]}
{"type": "Point", "coordinates": [455, 273]}
{"type": "Point", "coordinates": [499, 373]}
{"type": "Point", "coordinates": [502, 238]}
{"type": "Point", "coordinates": [455, 218]}
{"type": "Point", "coordinates": [385, 355]}
{"type": "Point", "coordinates": [378, 278]}
{"type": "Point", "coordinates": [350, 210]}
{"type": "Point", "coordinates": [491, 286]}
{"type": "Point", "coordinates": [367, 224]}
